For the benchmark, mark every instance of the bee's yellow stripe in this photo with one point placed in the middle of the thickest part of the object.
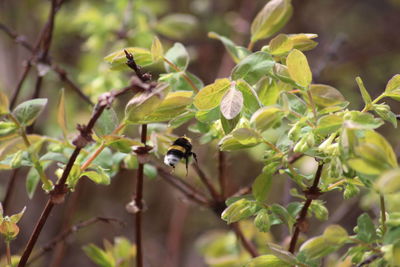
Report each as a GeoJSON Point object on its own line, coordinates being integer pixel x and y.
{"type": "Point", "coordinates": [187, 138]}
{"type": "Point", "coordinates": [182, 149]}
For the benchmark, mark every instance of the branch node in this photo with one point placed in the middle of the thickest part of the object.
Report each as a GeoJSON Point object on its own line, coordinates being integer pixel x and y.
{"type": "Point", "coordinates": [312, 193]}
{"type": "Point", "coordinates": [57, 195]}
{"type": "Point", "coordinates": [84, 137]}
{"type": "Point", "coordinates": [106, 99]}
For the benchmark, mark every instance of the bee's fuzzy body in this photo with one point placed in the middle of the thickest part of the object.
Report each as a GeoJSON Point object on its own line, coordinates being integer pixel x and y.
{"type": "Point", "coordinates": [181, 148]}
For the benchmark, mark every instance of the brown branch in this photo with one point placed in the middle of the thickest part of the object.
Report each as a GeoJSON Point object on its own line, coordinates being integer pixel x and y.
{"type": "Point", "coordinates": [57, 195]}
{"type": "Point", "coordinates": [139, 203]}
{"type": "Point", "coordinates": [222, 173]}
{"type": "Point", "coordinates": [188, 190]}
{"type": "Point", "coordinates": [69, 231]}
{"type": "Point", "coordinates": [311, 193]}
{"type": "Point", "coordinates": [9, 189]}
{"type": "Point", "coordinates": [207, 183]}
{"type": "Point", "coordinates": [245, 242]}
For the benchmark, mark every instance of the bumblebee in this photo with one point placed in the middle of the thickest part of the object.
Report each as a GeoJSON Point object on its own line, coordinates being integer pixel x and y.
{"type": "Point", "coordinates": [180, 148]}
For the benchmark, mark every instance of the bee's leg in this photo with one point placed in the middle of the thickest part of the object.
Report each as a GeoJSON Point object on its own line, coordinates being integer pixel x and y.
{"type": "Point", "coordinates": [187, 165]}
{"type": "Point", "coordinates": [173, 170]}
{"type": "Point", "coordinates": [195, 156]}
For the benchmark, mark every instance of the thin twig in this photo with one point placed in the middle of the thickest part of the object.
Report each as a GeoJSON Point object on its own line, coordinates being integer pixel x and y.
{"type": "Point", "coordinates": [383, 214]}
{"type": "Point", "coordinates": [245, 242]}
{"type": "Point", "coordinates": [311, 193]}
{"type": "Point", "coordinates": [69, 231]}
{"type": "Point", "coordinates": [62, 73]}
{"type": "Point", "coordinates": [207, 183]}
{"type": "Point", "coordinates": [222, 173]}
{"type": "Point", "coordinates": [185, 188]}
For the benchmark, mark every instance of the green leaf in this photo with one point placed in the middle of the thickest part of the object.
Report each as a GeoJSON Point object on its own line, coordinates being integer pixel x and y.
{"type": "Point", "coordinates": [207, 116]}
{"type": "Point", "coordinates": [178, 55]}
{"type": "Point", "coordinates": [210, 96]}
{"type": "Point", "coordinates": [364, 93]}
{"type": "Point", "coordinates": [280, 45]}
{"type": "Point", "coordinates": [239, 210]}
{"type": "Point", "coordinates": [362, 120]}
{"type": "Point", "coordinates": [177, 26]}
{"type": "Point", "coordinates": [17, 159]}
{"type": "Point", "coordinates": [177, 81]}
{"type": "Point", "coordinates": [7, 129]}
{"type": "Point", "coordinates": [118, 59]}
{"type": "Point", "coordinates": [263, 182]}
{"type": "Point", "coordinates": [14, 145]}
{"type": "Point", "coordinates": [282, 214]}
{"type": "Point", "coordinates": [270, 19]}
{"type": "Point", "coordinates": [229, 125]}
{"type": "Point", "coordinates": [4, 103]}
{"type": "Point", "coordinates": [365, 229]}
{"type": "Point", "coordinates": [253, 67]}
{"type": "Point", "coordinates": [120, 143]}
{"type": "Point", "coordinates": [150, 171]}
{"type": "Point", "coordinates": [320, 211]}
{"type": "Point", "coordinates": [27, 112]}
{"type": "Point", "coordinates": [266, 118]}
{"type": "Point", "coordinates": [228, 143]}
{"type": "Point", "coordinates": [250, 98]}
{"type": "Point", "coordinates": [325, 95]}
{"type": "Point", "coordinates": [268, 91]}
{"type": "Point", "coordinates": [247, 136]}
{"type": "Point", "coordinates": [107, 122]}
{"type": "Point", "coordinates": [99, 256]}
{"type": "Point", "coordinates": [393, 86]}
{"type": "Point", "coordinates": [181, 119]}
{"type": "Point", "coordinates": [237, 52]}
{"type": "Point", "coordinates": [328, 124]}
{"type": "Point", "coordinates": [388, 182]}
{"type": "Point", "coordinates": [144, 103]}
{"type": "Point", "coordinates": [32, 180]}
{"type": "Point", "coordinates": [173, 105]}
{"type": "Point", "coordinates": [282, 253]}
{"type": "Point", "coordinates": [157, 51]}
{"type": "Point", "coordinates": [16, 217]}
{"type": "Point", "coordinates": [385, 113]}
{"type": "Point", "coordinates": [267, 261]}
{"type": "Point", "coordinates": [303, 41]}
{"type": "Point", "coordinates": [262, 221]}
{"type": "Point", "coordinates": [298, 68]}
{"type": "Point", "coordinates": [97, 177]}
{"type": "Point", "coordinates": [364, 167]}
{"type": "Point", "coordinates": [232, 103]}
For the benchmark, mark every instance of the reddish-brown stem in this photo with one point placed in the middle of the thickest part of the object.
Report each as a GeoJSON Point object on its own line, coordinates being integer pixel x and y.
{"type": "Point", "coordinates": [207, 183]}
{"type": "Point", "coordinates": [9, 189]}
{"type": "Point", "coordinates": [311, 193]}
{"type": "Point", "coordinates": [245, 242]}
{"type": "Point", "coordinates": [36, 232]}
{"type": "Point", "coordinates": [139, 204]}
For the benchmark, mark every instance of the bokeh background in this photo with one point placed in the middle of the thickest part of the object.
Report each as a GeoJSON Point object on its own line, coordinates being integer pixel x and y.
{"type": "Point", "coordinates": [356, 38]}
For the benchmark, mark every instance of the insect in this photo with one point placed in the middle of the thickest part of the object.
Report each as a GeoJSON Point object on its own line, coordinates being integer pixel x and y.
{"type": "Point", "coordinates": [180, 148]}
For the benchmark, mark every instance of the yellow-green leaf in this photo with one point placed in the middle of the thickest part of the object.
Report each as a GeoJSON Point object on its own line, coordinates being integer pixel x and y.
{"type": "Point", "coordinates": [298, 68]}
{"type": "Point", "coordinates": [157, 51]}
{"type": "Point", "coordinates": [274, 15]}
{"type": "Point", "coordinates": [266, 118]}
{"type": "Point", "coordinates": [118, 59]}
{"type": "Point", "coordinates": [210, 96]}
{"type": "Point", "coordinates": [144, 103]}
{"type": "Point", "coordinates": [325, 95]}
{"type": "Point", "coordinates": [280, 45]}
{"type": "Point", "coordinates": [388, 182]}
{"type": "Point", "coordinates": [303, 41]}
